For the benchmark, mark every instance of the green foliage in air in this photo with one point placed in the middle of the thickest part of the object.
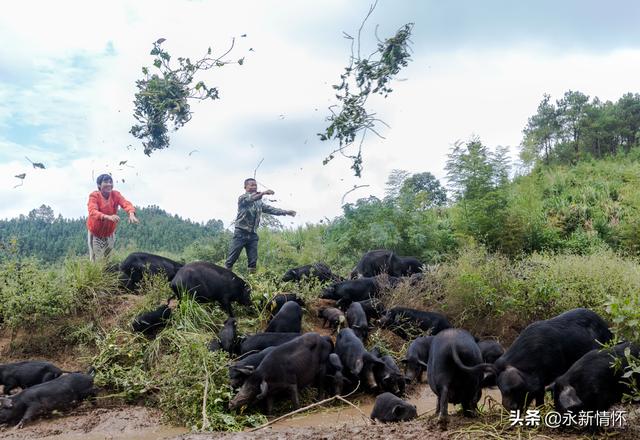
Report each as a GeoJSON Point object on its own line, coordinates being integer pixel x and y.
{"type": "Point", "coordinates": [163, 97]}
{"type": "Point", "coordinates": [362, 78]}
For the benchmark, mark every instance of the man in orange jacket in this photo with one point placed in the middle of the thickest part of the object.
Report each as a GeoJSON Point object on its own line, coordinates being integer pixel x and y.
{"type": "Point", "coordinates": [103, 217]}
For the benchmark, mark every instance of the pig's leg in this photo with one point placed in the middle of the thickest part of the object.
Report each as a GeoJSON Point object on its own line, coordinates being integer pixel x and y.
{"type": "Point", "coordinates": [268, 402]}
{"type": "Point", "coordinates": [539, 398]}
{"type": "Point", "coordinates": [295, 398]}
{"type": "Point", "coordinates": [31, 411]}
{"type": "Point", "coordinates": [442, 406]}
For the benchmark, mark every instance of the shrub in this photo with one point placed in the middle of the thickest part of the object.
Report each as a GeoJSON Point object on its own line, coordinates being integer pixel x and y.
{"type": "Point", "coordinates": [489, 294]}
{"type": "Point", "coordinates": [175, 371]}
{"type": "Point", "coordinates": [31, 297]}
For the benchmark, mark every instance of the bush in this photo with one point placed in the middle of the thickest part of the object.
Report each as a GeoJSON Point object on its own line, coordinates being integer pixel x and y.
{"type": "Point", "coordinates": [212, 249]}
{"type": "Point", "coordinates": [624, 311]}
{"type": "Point", "coordinates": [625, 315]}
{"type": "Point", "coordinates": [489, 294]}
{"type": "Point", "coordinates": [31, 297]}
{"type": "Point", "coordinates": [120, 365]}
{"type": "Point", "coordinates": [175, 371]}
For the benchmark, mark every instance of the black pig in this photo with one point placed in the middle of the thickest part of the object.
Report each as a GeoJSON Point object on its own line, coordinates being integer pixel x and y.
{"type": "Point", "coordinates": [26, 374]}
{"type": "Point", "coordinates": [389, 408]}
{"type": "Point", "coordinates": [288, 367]}
{"type": "Point", "coordinates": [543, 351]}
{"type": "Point", "coordinates": [57, 394]}
{"type": "Point", "coordinates": [592, 384]}
{"type": "Point", "coordinates": [150, 323]}
{"type": "Point", "coordinates": [287, 320]}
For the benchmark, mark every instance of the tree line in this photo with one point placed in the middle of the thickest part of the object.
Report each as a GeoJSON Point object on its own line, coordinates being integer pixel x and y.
{"type": "Point", "coordinates": [42, 235]}
{"type": "Point", "coordinates": [575, 127]}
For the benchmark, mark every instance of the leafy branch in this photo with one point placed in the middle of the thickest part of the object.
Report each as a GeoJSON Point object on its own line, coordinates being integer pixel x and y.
{"type": "Point", "coordinates": [163, 97]}
{"type": "Point", "coordinates": [361, 78]}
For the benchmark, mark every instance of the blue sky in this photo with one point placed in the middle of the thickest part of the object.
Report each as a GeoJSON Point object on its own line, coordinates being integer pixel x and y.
{"type": "Point", "coordinates": [68, 71]}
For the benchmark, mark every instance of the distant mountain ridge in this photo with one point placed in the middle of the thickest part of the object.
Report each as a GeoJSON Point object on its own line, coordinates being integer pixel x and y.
{"type": "Point", "coordinates": [43, 235]}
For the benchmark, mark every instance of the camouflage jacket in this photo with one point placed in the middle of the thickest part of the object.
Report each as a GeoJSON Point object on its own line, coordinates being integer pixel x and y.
{"type": "Point", "coordinates": [249, 212]}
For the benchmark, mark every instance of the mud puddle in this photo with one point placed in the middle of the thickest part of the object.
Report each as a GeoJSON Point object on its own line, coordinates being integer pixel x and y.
{"type": "Point", "coordinates": [422, 397]}
{"type": "Point", "coordinates": [344, 422]}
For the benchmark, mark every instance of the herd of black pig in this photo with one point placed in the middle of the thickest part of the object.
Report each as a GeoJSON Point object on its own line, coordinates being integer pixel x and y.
{"type": "Point", "coordinates": [563, 354]}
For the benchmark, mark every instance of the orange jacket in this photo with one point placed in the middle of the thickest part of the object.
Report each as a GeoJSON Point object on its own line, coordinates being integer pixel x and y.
{"type": "Point", "coordinates": [99, 207]}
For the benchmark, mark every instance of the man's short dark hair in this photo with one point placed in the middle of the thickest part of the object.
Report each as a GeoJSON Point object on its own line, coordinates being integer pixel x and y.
{"type": "Point", "coordinates": [102, 177]}
{"type": "Point", "coordinates": [250, 179]}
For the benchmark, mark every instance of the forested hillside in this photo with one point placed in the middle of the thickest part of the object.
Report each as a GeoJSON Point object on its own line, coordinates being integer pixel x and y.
{"type": "Point", "coordinates": [42, 235]}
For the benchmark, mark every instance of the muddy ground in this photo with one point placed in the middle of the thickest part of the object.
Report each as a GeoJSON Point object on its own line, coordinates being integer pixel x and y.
{"type": "Point", "coordinates": [88, 423]}
{"type": "Point", "coordinates": [334, 423]}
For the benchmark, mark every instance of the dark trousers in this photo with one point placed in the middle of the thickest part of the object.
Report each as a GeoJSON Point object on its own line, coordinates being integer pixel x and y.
{"type": "Point", "coordinates": [243, 239]}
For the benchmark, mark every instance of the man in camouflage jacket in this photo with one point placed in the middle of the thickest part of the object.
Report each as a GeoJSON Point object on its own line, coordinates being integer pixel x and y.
{"type": "Point", "coordinates": [250, 208]}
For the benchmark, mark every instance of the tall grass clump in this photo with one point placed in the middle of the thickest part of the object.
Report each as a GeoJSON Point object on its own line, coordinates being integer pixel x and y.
{"type": "Point", "coordinates": [91, 285]}
{"type": "Point", "coordinates": [476, 288]}
{"type": "Point", "coordinates": [47, 309]}
{"type": "Point", "coordinates": [52, 303]}
{"type": "Point", "coordinates": [32, 297]}
{"type": "Point", "coordinates": [492, 295]}
{"type": "Point", "coordinates": [175, 371]}
{"type": "Point", "coordinates": [266, 284]}
{"type": "Point", "coordinates": [558, 282]}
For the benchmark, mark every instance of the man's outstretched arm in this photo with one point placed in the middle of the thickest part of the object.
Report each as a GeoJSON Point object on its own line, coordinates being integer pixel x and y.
{"type": "Point", "coordinates": [276, 211]}
{"type": "Point", "coordinates": [250, 198]}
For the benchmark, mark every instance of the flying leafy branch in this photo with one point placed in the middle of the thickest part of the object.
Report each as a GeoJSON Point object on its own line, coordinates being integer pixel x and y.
{"type": "Point", "coordinates": [164, 97]}
{"type": "Point", "coordinates": [361, 78]}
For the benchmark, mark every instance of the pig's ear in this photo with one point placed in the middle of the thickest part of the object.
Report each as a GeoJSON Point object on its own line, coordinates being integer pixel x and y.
{"type": "Point", "coordinates": [6, 403]}
{"type": "Point", "coordinates": [247, 369]}
{"type": "Point", "coordinates": [398, 411]}
{"type": "Point", "coordinates": [358, 367]}
{"type": "Point", "coordinates": [335, 363]}
{"type": "Point", "coordinates": [264, 388]}
{"type": "Point", "coordinates": [569, 398]}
